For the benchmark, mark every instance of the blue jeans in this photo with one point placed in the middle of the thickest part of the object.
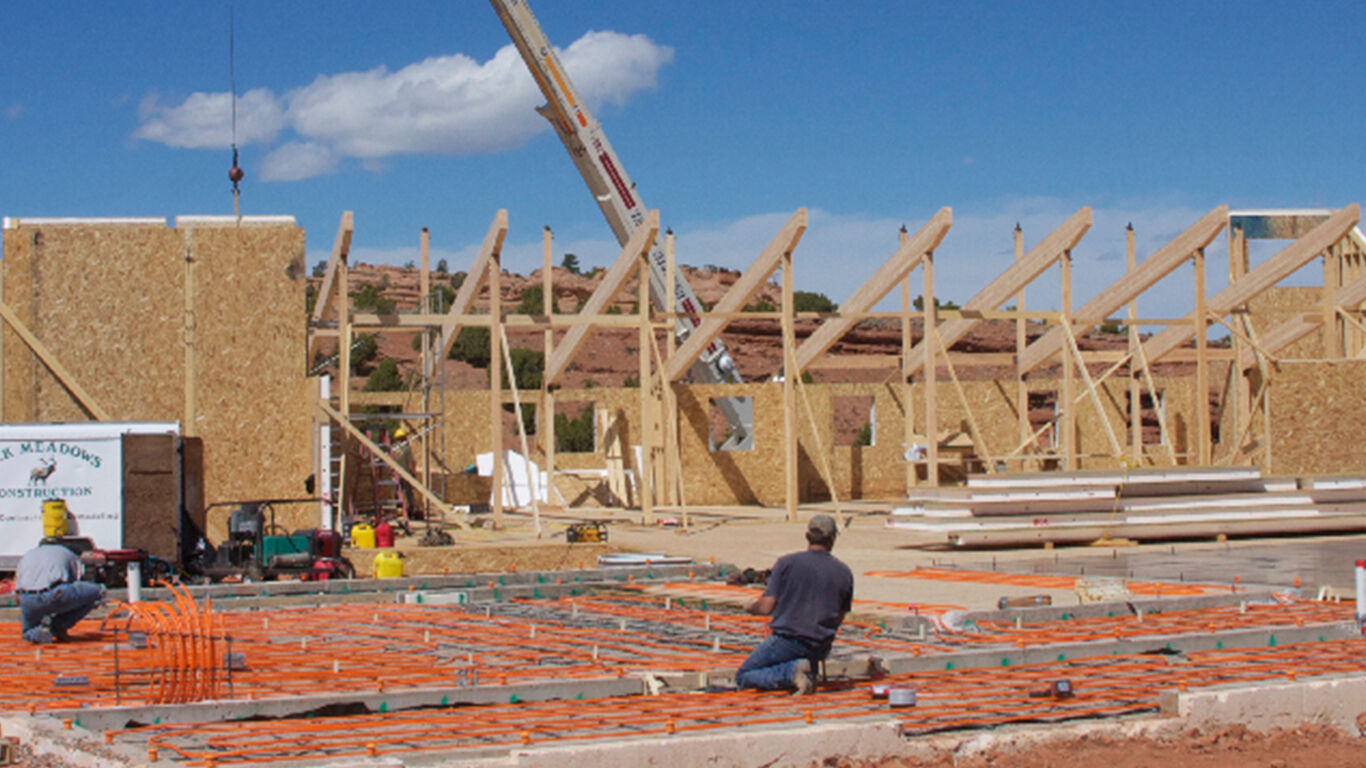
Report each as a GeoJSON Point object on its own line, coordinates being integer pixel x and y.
{"type": "Point", "coordinates": [65, 603]}
{"type": "Point", "coordinates": [771, 664]}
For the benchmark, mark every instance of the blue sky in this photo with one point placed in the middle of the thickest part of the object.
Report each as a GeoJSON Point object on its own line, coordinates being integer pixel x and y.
{"type": "Point", "coordinates": [728, 116]}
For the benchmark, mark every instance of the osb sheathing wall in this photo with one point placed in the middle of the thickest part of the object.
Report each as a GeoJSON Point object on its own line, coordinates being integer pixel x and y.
{"type": "Point", "coordinates": [1318, 417]}
{"type": "Point", "coordinates": [110, 301]}
{"type": "Point", "coordinates": [716, 477]}
{"type": "Point", "coordinates": [1282, 303]}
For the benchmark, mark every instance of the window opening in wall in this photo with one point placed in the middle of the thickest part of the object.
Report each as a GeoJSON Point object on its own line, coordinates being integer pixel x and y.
{"type": "Point", "coordinates": [528, 417]}
{"type": "Point", "coordinates": [574, 429]}
{"type": "Point", "coordinates": [1043, 411]}
{"type": "Point", "coordinates": [851, 420]}
{"type": "Point", "coordinates": [1152, 414]}
{"type": "Point", "coordinates": [719, 434]}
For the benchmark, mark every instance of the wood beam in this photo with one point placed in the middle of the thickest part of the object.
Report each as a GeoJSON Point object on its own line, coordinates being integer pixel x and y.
{"type": "Point", "coordinates": [327, 293]}
{"type": "Point", "coordinates": [907, 256]}
{"type": "Point", "coordinates": [739, 294]}
{"type": "Point", "coordinates": [379, 453]}
{"type": "Point", "coordinates": [1263, 276]}
{"type": "Point", "coordinates": [64, 376]}
{"type": "Point", "coordinates": [1301, 324]}
{"type": "Point", "coordinates": [474, 281]}
{"type": "Point", "coordinates": [1020, 274]}
{"type": "Point", "coordinates": [1128, 287]}
{"type": "Point", "coordinates": [640, 241]}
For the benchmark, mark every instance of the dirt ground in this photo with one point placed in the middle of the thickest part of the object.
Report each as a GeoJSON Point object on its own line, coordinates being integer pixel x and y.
{"type": "Point", "coordinates": [1235, 747]}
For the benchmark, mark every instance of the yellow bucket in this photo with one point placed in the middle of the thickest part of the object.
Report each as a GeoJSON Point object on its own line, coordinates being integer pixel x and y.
{"type": "Point", "coordinates": [54, 517]}
{"type": "Point", "coordinates": [388, 565]}
{"type": "Point", "coordinates": [362, 536]}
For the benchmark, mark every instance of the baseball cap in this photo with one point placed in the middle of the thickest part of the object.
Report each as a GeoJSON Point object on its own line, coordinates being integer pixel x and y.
{"type": "Point", "coordinates": [823, 526]}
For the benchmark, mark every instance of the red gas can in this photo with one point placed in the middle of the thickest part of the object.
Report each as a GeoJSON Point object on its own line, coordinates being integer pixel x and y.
{"type": "Point", "coordinates": [384, 535]}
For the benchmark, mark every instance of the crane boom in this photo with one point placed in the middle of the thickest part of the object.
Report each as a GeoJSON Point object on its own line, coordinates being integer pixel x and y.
{"type": "Point", "coordinates": [607, 180]}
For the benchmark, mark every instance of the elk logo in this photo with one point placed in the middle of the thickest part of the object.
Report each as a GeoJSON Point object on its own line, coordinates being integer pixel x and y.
{"type": "Point", "coordinates": [42, 472]}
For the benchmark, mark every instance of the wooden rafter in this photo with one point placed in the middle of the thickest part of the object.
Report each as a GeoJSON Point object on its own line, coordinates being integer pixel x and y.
{"type": "Point", "coordinates": [1262, 277]}
{"type": "Point", "coordinates": [1009, 282]}
{"type": "Point", "coordinates": [1128, 287]}
{"type": "Point", "coordinates": [474, 281]}
{"type": "Point", "coordinates": [753, 278]}
{"type": "Point", "coordinates": [607, 290]}
{"type": "Point", "coordinates": [1297, 327]}
{"type": "Point", "coordinates": [327, 294]}
{"type": "Point", "coordinates": [892, 271]}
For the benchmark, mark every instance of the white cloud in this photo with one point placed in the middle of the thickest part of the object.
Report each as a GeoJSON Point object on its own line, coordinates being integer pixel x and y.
{"type": "Point", "coordinates": [442, 105]}
{"type": "Point", "coordinates": [297, 160]}
{"type": "Point", "coordinates": [204, 120]}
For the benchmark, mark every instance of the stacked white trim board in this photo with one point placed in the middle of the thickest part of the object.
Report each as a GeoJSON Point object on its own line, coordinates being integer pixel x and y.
{"type": "Point", "coordinates": [1139, 504]}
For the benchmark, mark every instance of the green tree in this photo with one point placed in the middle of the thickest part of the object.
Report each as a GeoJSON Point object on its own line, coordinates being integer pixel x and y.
{"type": "Point", "coordinates": [363, 350]}
{"type": "Point", "coordinates": [472, 346]}
{"type": "Point", "coordinates": [760, 306]}
{"type": "Point", "coordinates": [533, 301]}
{"type": "Point", "coordinates": [441, 267]}
{"type": "Point", "coordinates": [370, 297]}
{"type": "Point", "coordinates": [919, 304]}
{"type": "Point", "coordinates": [632, 381]}
{"type": "Point", "coordinates": [385, 377]}
{"type": "Point", "coordinates": [457, 280]}
{"type": "Point", "coordinates": [527, 367]}
{"type": "Point", "coordinates": [320, 269]}
{"type": "Point", "coordinates": [570, 264]}
{"type": "Point", "coordinates": [574, 435]}
{"type": "Point", "coordinates": [807, 301]}
{"type": "Point", "coordinates": [410, 264]}
{"type": "Point", "coordinates": [310, 299]}
{"type": "Point", "coordinates": [864, 435]}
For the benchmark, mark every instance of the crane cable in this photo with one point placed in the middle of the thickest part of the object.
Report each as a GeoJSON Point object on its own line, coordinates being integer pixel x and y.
{"type": "Point", "coordinates": [235, 174]}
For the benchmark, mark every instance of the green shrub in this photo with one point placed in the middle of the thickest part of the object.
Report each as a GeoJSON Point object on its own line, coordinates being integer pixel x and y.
{"type": "Point", "coordinates": [527, 367]}
{"type": "Point", "coordinates": [807, 301]}
{"type": "Point", "coordinates": [533, 301]}
{"type": "Point", "coordinates": [363, 350]}
{"type": "Point", "coordinates": [385, 378]}
{"type": "Point", "coordinates": [574, 435]}
{"type": "Point", "coordinates": [371, 298]}
{"type": "Point", "coordinates": [472, 346]}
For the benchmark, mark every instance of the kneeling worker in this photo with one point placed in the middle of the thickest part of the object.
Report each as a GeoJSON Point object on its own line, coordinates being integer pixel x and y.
{"type": "Point", "coordinates": [808, 594]}
{"type": "Point", "coordinates": [52, 597]}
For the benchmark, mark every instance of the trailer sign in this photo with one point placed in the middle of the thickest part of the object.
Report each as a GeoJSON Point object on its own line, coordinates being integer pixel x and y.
{"type": "Point", "coordinates": [81, 463]}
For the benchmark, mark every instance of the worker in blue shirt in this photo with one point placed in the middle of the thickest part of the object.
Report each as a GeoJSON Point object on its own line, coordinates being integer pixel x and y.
{"type": "Point", "coordinates": [808, 595]}
{"type": "Point", "coordinates": [52, 597]}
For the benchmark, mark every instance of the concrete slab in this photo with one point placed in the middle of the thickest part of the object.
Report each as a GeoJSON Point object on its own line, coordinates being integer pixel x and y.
{"type": "Point", "coordinates": [1337, 702]}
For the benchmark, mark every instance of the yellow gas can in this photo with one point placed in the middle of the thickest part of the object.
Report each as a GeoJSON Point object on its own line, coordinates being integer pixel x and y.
{"type": "Point", "coordinates": [362, 536]}
{"type": "Point", "coordinates": [54, 517]}
{"type": "Point", "coordinates": [388, 565]}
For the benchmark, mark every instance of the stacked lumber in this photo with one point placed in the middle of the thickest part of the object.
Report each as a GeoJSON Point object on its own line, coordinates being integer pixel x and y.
{"type": "Point", "coordinates": [1140, 504]}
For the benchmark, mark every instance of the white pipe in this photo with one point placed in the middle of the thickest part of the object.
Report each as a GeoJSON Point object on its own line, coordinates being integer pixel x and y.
{"type": "Point", "coordinates": [1361, 591]}
{"type": "Point", "coordinates": [134, 581]}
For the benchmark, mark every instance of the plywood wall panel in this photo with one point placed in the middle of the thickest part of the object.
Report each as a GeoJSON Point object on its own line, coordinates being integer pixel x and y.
{"type": "Point", "coordinates": [110, 301]}
{"type": "Point", "coordinates": [250, 390]}
{"type": "Point", "coordinates": [1319, 416]}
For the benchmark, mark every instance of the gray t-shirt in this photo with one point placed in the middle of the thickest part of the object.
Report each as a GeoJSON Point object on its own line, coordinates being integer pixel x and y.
{"type": "Point", "coordinates": [44, 566]}
{"type": "Point", "coordinates": [813, 590]}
